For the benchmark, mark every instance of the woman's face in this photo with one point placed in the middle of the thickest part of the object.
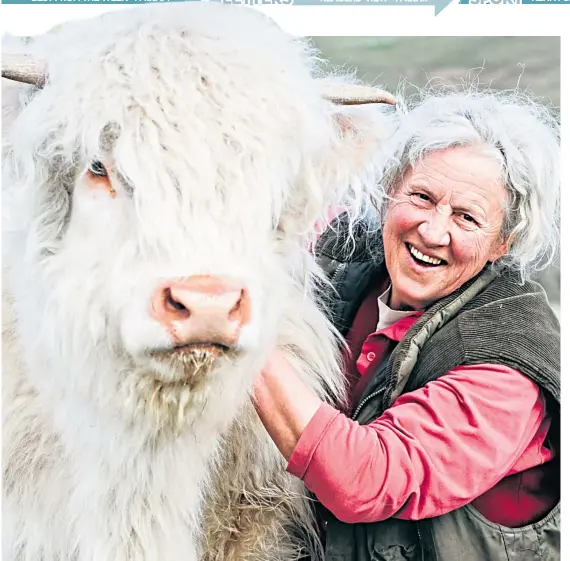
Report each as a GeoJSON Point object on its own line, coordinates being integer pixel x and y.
{"type": "Point", "coordinates": [443, 225]}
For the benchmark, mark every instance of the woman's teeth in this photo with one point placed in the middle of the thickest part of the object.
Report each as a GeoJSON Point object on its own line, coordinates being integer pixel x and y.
{"type": "Point", "coordinates": [424, 258]}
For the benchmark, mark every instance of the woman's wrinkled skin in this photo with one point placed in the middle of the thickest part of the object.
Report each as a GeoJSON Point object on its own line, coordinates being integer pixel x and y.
{"type": "Point", "coordinates": [450, 207]}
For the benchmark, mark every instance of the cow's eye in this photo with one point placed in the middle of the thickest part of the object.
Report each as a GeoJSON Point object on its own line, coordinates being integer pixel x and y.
{"type": "Point", "coordinates": [97, 169]}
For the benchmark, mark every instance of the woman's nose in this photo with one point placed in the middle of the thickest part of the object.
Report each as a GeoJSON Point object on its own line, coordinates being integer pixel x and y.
{"type": "Point", "coordinates": [435, 231]}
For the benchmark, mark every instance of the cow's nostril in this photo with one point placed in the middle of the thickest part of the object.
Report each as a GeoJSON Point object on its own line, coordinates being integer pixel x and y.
{"type": "Point", "coordinates": [174, 304]}
{"type": "Point", "coordinates": [235, 311]}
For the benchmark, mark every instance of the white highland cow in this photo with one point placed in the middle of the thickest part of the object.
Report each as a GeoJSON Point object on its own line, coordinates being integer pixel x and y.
{"type": "Point", "coordinates": [163, 170]}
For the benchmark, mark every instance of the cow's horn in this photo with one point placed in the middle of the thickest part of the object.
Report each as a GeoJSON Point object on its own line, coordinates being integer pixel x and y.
{"type": "Point", "coordinates": [24, 68]}
{"type": "Point", "coordinates": [355, 94]}
{"type": "Point", "coordinates": [29, 70]}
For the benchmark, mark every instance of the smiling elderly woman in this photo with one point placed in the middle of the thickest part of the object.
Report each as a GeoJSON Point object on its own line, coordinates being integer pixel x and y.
{"type": "Point", "coordinates": [450, 447]}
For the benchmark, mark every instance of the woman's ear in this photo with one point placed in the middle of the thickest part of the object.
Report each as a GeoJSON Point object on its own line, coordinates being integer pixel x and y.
{"type": "Point", "coordinates": [500, 249]}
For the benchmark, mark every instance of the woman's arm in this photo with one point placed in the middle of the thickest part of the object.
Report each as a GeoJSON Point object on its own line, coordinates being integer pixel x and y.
{"type": "Point", "coordinates": [284, 403]}
{"type": "Point", "coordinates": [434, 450]}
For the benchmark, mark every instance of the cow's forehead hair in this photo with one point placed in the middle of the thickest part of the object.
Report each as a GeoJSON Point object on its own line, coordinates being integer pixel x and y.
{"type": "Point", "coordinates": [211, 101]}
{"type": "Point", "coordinates": [201, 88]}
{"type": "Point", "coordinates": [206, 52]}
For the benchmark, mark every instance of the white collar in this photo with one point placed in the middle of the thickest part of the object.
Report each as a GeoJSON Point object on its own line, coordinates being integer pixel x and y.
{"type": "Point", "coordinates": [387, 316]}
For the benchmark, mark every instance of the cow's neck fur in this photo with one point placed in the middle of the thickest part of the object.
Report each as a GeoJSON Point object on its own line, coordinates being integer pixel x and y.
{"type": "Point", "coordinates": [100, 489]}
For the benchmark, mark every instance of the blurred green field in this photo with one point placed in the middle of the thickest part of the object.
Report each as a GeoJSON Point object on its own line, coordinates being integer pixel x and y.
{"type": "Point", "coordinates": [530, 63]}
{"type": "Point", "coordinates": [501, 62]}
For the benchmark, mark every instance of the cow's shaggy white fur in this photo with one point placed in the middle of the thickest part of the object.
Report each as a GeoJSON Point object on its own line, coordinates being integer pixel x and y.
{"type": "Point", "coordinates": [223, 154]}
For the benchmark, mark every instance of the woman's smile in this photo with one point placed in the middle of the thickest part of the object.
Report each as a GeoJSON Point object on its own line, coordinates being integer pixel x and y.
{"type": "Point", "coordinates": [423, 261]}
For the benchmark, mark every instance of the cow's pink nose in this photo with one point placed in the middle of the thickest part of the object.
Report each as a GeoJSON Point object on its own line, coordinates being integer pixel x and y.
{"type": "Point", "coordinates": [202, 310]}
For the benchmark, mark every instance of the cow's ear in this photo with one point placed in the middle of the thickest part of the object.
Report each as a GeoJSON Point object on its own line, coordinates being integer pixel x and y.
{"type": "Point", "coordinates": [354, 165]}
{"type": "Point", "coordinates": [347, 174]}
{"type": "Point", "coordinates": [14, 98]}
{"type": "Point", "coordinates": [15, 94]}
{"type": "Point", "coordinates": [362, 135]}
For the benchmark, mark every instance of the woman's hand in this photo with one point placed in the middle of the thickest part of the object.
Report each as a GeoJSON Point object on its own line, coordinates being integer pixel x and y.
{"type": "Point", "coordinates": [283, 402]}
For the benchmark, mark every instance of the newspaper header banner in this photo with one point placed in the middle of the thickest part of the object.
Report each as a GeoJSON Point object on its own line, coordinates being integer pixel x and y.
{"type": "Point", "coordinates": [438, 5]}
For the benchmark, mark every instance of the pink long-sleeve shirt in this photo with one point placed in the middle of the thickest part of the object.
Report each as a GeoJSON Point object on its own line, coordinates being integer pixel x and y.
{"type": "Point", "coordinates": [475, 435]}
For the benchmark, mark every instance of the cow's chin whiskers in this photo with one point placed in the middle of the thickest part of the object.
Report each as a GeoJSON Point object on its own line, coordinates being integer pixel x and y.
{"type": "Point", "coordinates": [186, 365]}
{"type": "Point", "coordinates": [171, 389]}
{"type": "Point", "coordinates": [164, 406]}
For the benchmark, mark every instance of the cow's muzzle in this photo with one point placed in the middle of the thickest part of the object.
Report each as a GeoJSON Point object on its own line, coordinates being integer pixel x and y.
{"type": "Point", "coordinates": [202, 312]}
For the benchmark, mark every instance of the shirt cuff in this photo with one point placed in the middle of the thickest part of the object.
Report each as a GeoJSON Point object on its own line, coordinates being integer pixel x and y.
{"type": "Point", "coordinates": [309, 440]}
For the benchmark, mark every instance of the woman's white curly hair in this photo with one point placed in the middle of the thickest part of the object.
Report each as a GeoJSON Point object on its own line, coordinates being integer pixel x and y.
{"type": "Point", "coordinates": [520, 132]}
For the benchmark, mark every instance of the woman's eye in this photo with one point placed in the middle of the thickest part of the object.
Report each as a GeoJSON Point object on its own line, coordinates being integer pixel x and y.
{"type": "Point", "coordinates": [97, 169]}
{"type": "Point", "coordinates": [421, 196]}
{"type": "Point", "coordinates": [469, 219]}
